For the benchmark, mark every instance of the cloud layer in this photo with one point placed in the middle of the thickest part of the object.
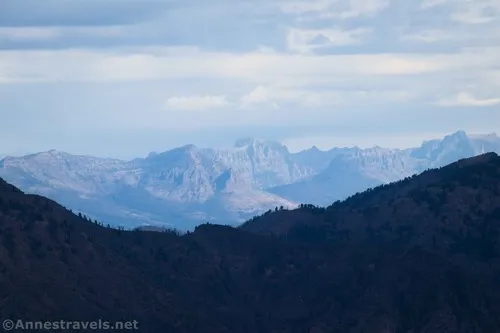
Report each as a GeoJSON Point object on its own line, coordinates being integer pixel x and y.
{"type": "Point", "coordinates": [351, 66]}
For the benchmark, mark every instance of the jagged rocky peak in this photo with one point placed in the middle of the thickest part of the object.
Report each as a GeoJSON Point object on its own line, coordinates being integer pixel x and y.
{"type": "Point", "coordinates": [456, 137]}
{"type": "Point", "coordinates": [183, 149]}
{"type": "Point", "coordinates": [456, 146]}
{"type": "Point", "coordinates": [152, 154]}
{"type": "Point", "coordinates": [176, 154]}
{"type": "Point", "coordinates": [243, 142]}
{"type": "Point", "coordinates": [58, 156]}
{"type": "Point", "coordinates": [50, 156]}
{"type": "Point", "coordinates": [54, 153]}
{"type": "Point", "coordinates": [188, 147]}
{"type": "Point", "coordinates": [258, 143]}
{"type": "Point", "coordinates": [373, 151]}
{"type": "Point", "coordinates": [312, 150]}
{"type": "Point", "coordinates": [460, 142]}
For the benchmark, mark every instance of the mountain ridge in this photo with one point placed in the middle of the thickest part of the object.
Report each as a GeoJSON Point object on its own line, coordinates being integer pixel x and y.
{"type": "Point", "coordinates": [188, 185]}
{"type": "Point", "coordinates": [376, 166]}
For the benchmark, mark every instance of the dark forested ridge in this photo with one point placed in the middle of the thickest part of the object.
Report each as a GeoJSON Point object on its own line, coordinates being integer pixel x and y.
{"type": "Point", "coordinates": [443, 209]}
{"type": "Point", "coordinates": [417, 256]}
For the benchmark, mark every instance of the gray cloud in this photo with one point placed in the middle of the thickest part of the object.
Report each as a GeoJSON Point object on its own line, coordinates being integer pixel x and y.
{"type": "Point", "coordinates": [79, 13]}
{"type": "Point", "coordinates": [74, 74]}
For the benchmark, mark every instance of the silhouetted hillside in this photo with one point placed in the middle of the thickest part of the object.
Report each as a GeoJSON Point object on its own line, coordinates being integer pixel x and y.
{"type": "Point", "coordinates": [444, 210]}
{"type": "Point", "coordinates": [383, 261]}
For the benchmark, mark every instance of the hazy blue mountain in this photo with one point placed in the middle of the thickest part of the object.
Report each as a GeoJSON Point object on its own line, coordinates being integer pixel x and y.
{"type": "Point", "coordinates": [356, 170]}
{"type": "Point", "coordinates": [317, 160]}
{"type": "Point", "coordinates": [183, 186]}
{"type": "Point", "coordinates": [186, 186]}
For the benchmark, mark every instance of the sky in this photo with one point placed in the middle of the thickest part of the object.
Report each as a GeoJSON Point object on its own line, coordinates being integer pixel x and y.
{"type": "Point", "coordinates": [121, 78]}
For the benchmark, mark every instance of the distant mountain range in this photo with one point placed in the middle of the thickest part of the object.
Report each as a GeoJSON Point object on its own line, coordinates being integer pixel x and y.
{"type": "Point", "coordinates": [421, 255]}
{"type": "Point", "coordinates": [186, 186]}
{"type": "Point", "coordinates": [355, 170]}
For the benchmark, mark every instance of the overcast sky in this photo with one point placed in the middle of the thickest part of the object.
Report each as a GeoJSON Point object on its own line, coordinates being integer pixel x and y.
{"type": "Point", "coordinates": [124, 77]}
